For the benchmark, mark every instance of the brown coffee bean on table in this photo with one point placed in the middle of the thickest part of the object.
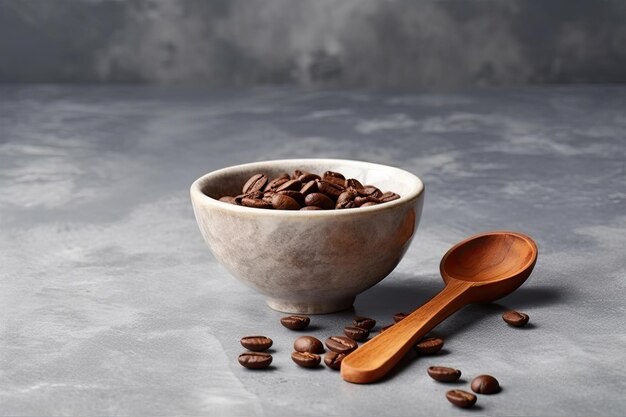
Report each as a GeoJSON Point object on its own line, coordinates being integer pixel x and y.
{"type": "Point", "coordinates": [256, 343]}
{"type": "Point", "coordinates": [308, 344]}
{"type": "Point", "coordinates": [333, 359]}
{"type": "Point", "coordinates": [341, 344]}
{"type": "Point", "coordinates": [485, 384]}
{"type": "Point", "coordinates": [255, 360]}
{"type": "Point", "coordinates": [295, 322]}
{"type": "Point", "coordinates": [364, 322]}
{"type": "Point", "coordinates": [444, 374]}
{"type": "Point", "coordinates": [356, 333]}
{"type": "Point", "coordinates": [399, 316]}
{"type": "Point", "coordinates": [429, 346]}
{"type": "Point", "coordinates": [515, 318]}
{"type": "Point", "coordinates": [306, 359]}
{"type": "Point", "coordinates": [461, 398]}
{"type": "Point", "coordinates": [255, 183]}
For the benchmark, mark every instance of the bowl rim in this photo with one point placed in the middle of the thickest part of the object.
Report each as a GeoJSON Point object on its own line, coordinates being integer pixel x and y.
{"type": "Point", "coordinates": [197, 186]}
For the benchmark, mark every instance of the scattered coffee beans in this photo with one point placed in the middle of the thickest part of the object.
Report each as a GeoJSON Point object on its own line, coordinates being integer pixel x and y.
{"type": "Point", "coordinates": [515, 318]}
{"type": "Point", "coordinates": [341, 344]}
{"type": "Point", "coordinates": [255, 360]}
{"type": "Point", "coordinates": [306, 359]}
{"type": "Point", "coordinates": [364, 322]}
{"type": "Point", "coordinates": [461, 398]}
{"type": "Point", "coordinates": [429, 346]}
{"type": "Point", "coordinates": [399, 316]}
{"type": "Point", "coordinates": [333, 359]}
{"type": "Point", "coordinates": [308, 344]}
{"type": "Point", "coordinates": [256, 343]}
{"type": "Point", "coordinates": [444, 374]}
{"type": "Point", "coordinates": [295, 322]}
{"type": "Point", "coordinates": [307, 191]}
{"type": "Point", "coordinates": [356, 333]}
{"type": "Point", "coordinates": [485, 384]}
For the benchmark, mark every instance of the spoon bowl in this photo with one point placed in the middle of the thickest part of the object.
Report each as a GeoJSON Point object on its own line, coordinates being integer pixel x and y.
{"type": "Point", "coordinates": [482, 268]}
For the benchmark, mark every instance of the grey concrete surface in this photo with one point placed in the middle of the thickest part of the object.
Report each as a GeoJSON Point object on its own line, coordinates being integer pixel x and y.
{"type": "Point", "coordinates": [111, 304]}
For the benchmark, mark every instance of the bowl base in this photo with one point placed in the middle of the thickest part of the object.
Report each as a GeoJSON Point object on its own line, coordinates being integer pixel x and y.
{"type": "Point", "coordinates": [310, 307]}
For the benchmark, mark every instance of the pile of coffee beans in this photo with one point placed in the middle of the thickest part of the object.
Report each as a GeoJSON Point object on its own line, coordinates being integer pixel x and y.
{"type": "Point", "coordinates": [306, 191]}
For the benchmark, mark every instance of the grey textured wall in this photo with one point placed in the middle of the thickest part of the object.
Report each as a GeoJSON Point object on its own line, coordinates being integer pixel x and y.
{"type": "Point", "coordinates": [346, 43]}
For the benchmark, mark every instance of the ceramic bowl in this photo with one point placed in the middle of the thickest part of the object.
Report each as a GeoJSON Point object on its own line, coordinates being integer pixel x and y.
{"type": "Point", "coordinates": [308, 262]}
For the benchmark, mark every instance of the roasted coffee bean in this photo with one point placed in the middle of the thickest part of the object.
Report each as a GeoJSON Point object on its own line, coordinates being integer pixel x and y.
{"type": "Point", "coordinates": [364, 322]}
{"type": "Point", "coordinates": [307, 176]}
{"type": "Point", "coordinates": [319, 200]}
{"type": "Point", "coordinates": [256, 343]}
{"type": "Point", "coordinates": [331, 190]}
{"type": "Point", "coordinates": [388, 196]}
{"type": "Point", "coordinates": [429, 346]}
{"type": "Point", "coordinates": [369, 204]}
{"type": "Point", "coordinates": [255, 183]}
{"type": "Point", "coordinates": [308, 188]}
{"type": "Point", "coordinates": [335, 178]}
{"type": "Point", "coordinates": [277, 182]}
{"type": "Point", "coordinates": [346, 199]}
{"type": "Point", "coordinates": [311, 208]}
{"type": "Point", "coordinates": [296, 195]}
{"type": "Point", "coordinates": [356, 333]}
{"type": "Point", "coordinates": [353, 184]}
{"type": "Point", "coordinates": [341, 344]}
{"type": "Point", "coordinates": [359, 201]}
{"type": "Point", "coordinates": [295, 322]}
{"type": "Point", "coordinates": [284, 202]}
{"type": "Point", "coordinates": [399, 316]}
{"type": "Point", "coordinates": [461, 398]}
{"type": "Point", "coordinates": [293, 185]}
{"type": "Point", "coordinates": [370, 191]}
{"type": "Point", "coordinates": [444, 374]}
{"type": "Point", "coordinates": [515, 318]}
{"type": "Point", "coordinates": [308, 344]}
{"type": "Point", "coordinates": [255, 360]}
{"type": "Point", "coordinates": [485, 384]}
{"type": "Point", "coordinates": [306, 359]}
{"type": "Point", "coordinates": [333, 360]}
{"type": "Point", "coordinates": [256, 203]}
{"type": "Point", "coordinates": [382, 329]}
{"type": "Point", "coordinates": [228, 199]}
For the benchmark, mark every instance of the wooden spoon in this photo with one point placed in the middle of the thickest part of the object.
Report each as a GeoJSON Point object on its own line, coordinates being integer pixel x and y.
{"type": "Point", "coordinates": [482, 268]}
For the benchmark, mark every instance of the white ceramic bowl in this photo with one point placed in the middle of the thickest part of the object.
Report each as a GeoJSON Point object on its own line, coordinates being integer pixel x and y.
{"type": "Point", "coordinates": [309, 261]}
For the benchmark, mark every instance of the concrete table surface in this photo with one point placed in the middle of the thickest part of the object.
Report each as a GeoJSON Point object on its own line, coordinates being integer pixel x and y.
{"type": "Point", "coordinates": [111, 303]}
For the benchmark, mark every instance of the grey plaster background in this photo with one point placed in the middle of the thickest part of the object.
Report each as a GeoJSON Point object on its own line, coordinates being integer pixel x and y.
{"type": "Point", "coordinates": [430, 44]}
{"type": "Point", "coordinates": [111, 304]}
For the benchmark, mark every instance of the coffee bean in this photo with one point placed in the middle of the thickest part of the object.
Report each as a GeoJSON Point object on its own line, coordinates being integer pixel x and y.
{"type": "Point", "coordinates": [311, 208]}
{"type": "Point", "coordinates": [515, 318]}
{"type": "Point", "coordinates": [364, 322]}
{"type": "Point", "coordinates": [331, 190]}
{"type": "Point", "coordinates": [461, 398]}
{"type": "Point", "coordinates": [307, 176]}
{"type": "Point", "coordinates": [388, 196]}
{"type": "Point", "coordinates": [359, 201]}
{"type": "Point", "coordinates": [296, 195]}
{"type": "Point", "coordinates": [333, 360]}
{"type": "Point", "coordinates": [356, 333]}
{"type": "Point", "coordinates": [370, 191]}
{"type": "Point", "coordinates": [335, 178]}
{"type": "Point", "coordinates": [341, 344]}
{"type": "Point", "coordinates": [295, 322]}
{"type": "Point", "coordinates": [277, 182]}
{"type": "Point", "coordinates": [256, 203]}
{"type": "Point", "coordinates": [382, 329]}
{"type": "Point", "coordinates": [256, 343]}
{"type": "Point", "coordinates": [284, 202]}
{"type": "Point", "coordinates": [353, 184]}
{"type": "Point", "coordinates": [319, 200]}
{"type": "Point", "coordinates": [308, 344]}
{"type": "Point", "coordinates": [346, 199]}
{"type": "Point", "coordinates": [485, 384]}
{"type": "Point", "coordinates": [293, 185]}
{"type": "Point", "coordinates": [429, 345]}
{"type": "Point", "coordinates": [255, 360]}
{"type": "Point", "coordinates": [228, 199]}
{"type": "Point", "coordinates": [306, 359]}
{"type": "Point", "coordinates": [308, 188]}
{"type": "Point", "coordinates": [399, 316]}
{"type": "Point", "coordinates": [255, 183]}
{"type": "Point", "coordinates": [444, 374]}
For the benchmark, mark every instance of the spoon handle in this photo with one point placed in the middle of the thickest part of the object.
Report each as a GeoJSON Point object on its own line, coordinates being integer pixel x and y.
{"type": "Point", "coordinates": [376, 357]}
